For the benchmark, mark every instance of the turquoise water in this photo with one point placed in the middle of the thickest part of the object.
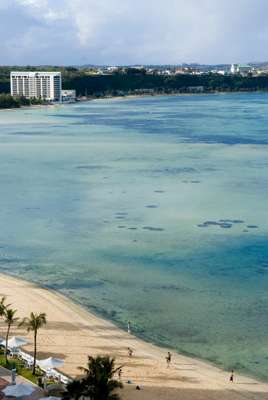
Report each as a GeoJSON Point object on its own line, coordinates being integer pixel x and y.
{"type": "Point", "coordinates": [152, 210]}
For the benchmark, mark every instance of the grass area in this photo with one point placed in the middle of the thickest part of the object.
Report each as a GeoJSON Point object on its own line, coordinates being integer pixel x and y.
{"type": "Point", "coordinates": [20, 368]}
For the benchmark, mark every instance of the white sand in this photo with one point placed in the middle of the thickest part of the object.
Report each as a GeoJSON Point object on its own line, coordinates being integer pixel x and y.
{"type": "Point", "coordinates": [72, 333]}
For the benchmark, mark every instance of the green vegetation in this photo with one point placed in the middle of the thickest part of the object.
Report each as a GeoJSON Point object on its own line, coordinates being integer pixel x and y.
{"type": "Point", "coordinates": [20, 368]}
{"type": "Point", "coordinates": [125, 84]}
{"type": "Point", "coordinates": [98, 383]}
{"type": "Point", "coordinates": [3, 306]}
{"type": "Point", "coordinates": [136, 81]}
{"type": "Point", "coordinates": [33, 324]}
{"type": "Point", "coordinates": [9, 319]}
{"type": "Point", "coordinates": [130, 81]}
{"type": "Point", "coordinates": [7, 101]}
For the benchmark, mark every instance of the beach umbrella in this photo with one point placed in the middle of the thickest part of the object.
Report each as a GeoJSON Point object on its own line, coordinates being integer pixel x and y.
{"type": "Point", "coordinates": [50, 362]}
{"type": "Point", "coordinates": [50, 398]}
{"type": "Point", "coordinates": [15, 342]}
{"type": "Point", "coordinates": [19, 390]}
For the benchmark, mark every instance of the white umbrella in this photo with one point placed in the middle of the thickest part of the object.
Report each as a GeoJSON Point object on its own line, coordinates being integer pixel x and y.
{"type": "Point", "coordinates": [50, 398]}
{"type": "Point", "coordinates": [50, 362]}
{"type": "Point", "coordinates": [19, 390]}
{"type": "Point", "coordinates": [15, 342]}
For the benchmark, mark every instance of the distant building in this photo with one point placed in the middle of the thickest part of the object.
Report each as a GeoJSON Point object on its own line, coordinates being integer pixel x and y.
{"type": "Point", "coordinates": [261, 72]}
{"type": "Point", "coordinates": [195, 89]}
{"type": "Point", "coordinates": [220, 72]}
{"type": "Point", "coordinates": [41, 85]}
{"type": "Point", "coordinates": [242, 69]}
{"type": "Point", "coordinates": [179, 71]}
{"type": "Point", "coordinates": [68, 96]}
{"type": "Point", "coordinates": [234, 68]}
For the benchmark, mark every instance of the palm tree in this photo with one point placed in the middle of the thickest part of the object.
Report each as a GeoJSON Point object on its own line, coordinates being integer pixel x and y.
{"type": "Point", "coordinates": [98, 382]}
{"type": "Point", "coordinates": [9, 319]}
{"type": "Point", "coordinates": [3, 306]}
{"type": "Point", "coordinates": [75, 389]}
{"type": "Point", "coordinates": [33, 323]}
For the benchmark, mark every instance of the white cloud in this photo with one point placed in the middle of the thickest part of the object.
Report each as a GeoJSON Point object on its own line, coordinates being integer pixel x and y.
{"type": "Point", "coordinates": [143, 31]}
{"type": "Point", "coordinates": [39, 4]}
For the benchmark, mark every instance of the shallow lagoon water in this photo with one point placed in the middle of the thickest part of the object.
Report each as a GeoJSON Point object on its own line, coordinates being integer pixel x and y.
{"type": "Point", "coordinates": [152, 210]}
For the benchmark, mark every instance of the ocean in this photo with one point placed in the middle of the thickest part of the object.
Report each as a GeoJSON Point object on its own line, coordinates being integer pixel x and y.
{"type": "Point", "coordinates": [152, 210]}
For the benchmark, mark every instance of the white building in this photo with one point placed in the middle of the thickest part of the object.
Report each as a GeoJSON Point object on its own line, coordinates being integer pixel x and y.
{"type": "Point", "coordinates": [68, 96]}
{"type": "Point", "coordinates": [41, 85]}
{"type": "Point", "coordinates": [242, 69]}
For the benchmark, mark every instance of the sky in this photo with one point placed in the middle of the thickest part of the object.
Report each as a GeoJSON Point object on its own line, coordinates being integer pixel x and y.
{"type": "Point", "coordinates": [121, 32]}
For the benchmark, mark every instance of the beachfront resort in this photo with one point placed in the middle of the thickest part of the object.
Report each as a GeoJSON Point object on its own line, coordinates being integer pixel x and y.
{"type": "Point", "coordinates": [68, 335]}
{"type": "Point", "coordinates": [43, 85]}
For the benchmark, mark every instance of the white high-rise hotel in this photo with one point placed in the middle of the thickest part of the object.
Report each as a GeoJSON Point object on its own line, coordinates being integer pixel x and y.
{"type": "Point", "coordinates": [41, 85]}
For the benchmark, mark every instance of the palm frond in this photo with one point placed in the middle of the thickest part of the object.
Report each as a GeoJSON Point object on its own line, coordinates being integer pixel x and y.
{"type": "Point", "coordinates": [98, 382]}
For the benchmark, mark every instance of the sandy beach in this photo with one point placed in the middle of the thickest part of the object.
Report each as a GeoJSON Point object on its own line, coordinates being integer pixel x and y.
{"type": "Point", "coordinates": [72, 333]}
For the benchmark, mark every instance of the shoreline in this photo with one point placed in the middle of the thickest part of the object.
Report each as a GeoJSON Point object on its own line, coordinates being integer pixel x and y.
{"type": "Point", "coordinates": [133, 96]}
{"type": "Point", "coordinates": [32, 107]}
{"type": "Point", "coordinates": [177, 94]}
{"type": "Point", "coordinates": [73, 332]}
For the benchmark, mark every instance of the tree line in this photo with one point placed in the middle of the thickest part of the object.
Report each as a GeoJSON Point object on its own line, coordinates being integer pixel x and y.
{"type": "Point", "coordinates": [8, 101]}
{"type": "Point", "coordinates": [133, 81]}
{"type": "Point", "coordinates": [32, 324]}
{"type": "Point", "coordinates": [138, 83]}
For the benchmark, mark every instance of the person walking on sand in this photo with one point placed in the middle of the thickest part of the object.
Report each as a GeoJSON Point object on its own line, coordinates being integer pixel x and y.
{"type": "Point", "coordinates": [120, 373]}
{"type": "Point", "coordinates": [128, 327]}
{"type": "Point", "coordinates": [232, 376]}
{"type": "Point", "coordinates": [168, 358]}
{"type": "Point", "coordinates": [130, 352]}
